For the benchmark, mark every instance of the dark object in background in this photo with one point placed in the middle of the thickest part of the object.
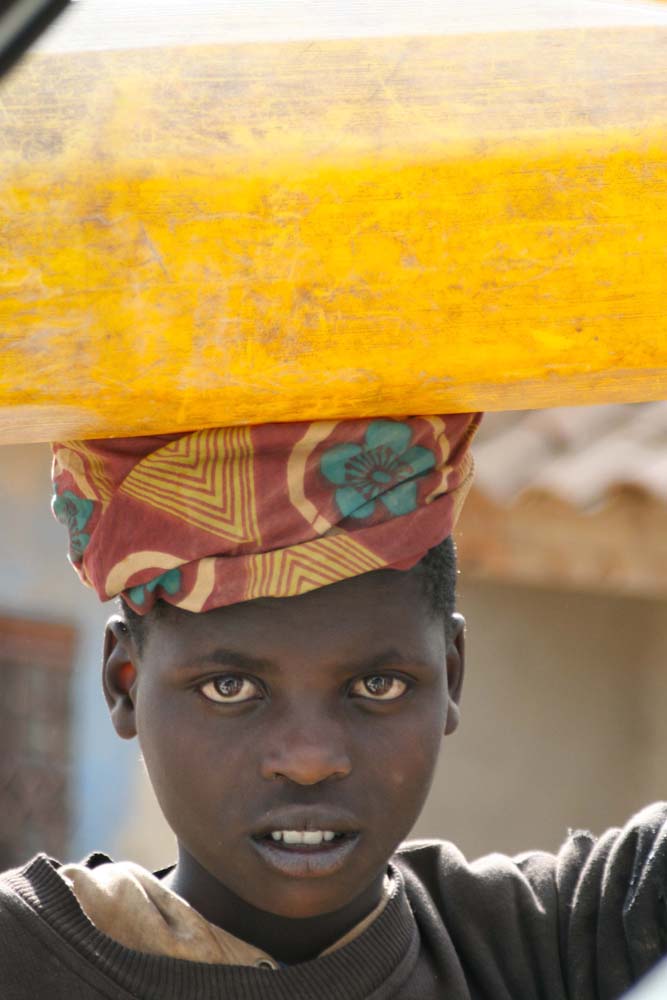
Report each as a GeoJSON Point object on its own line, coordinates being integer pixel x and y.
{"type": "Point", "coordinates": [21, 23]}
{"type": "Point", "coordinates": [36, 660]}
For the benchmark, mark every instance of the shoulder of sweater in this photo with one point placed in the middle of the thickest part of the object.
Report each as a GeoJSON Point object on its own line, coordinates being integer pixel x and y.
{"type": "Point", "coordinates": [418, 853]}
{"type": "Point", "coordinates": [649, 821]}
{"type": "Point", "coordinates": [440, 866]}
{"type": "Point", "coordinates": [39, 861]}
{"type": "Point", "coordinates": [641, 841]}
{"type": "Point", "coordinates": [13, 879]}
{"type": "Point", "coordinates": [32, 884]}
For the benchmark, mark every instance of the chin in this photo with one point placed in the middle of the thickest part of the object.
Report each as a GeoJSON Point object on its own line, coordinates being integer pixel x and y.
{"type": "Point", "coordinates": [298, 903]}
{"type": "Point", "coordinates": [301, 898]}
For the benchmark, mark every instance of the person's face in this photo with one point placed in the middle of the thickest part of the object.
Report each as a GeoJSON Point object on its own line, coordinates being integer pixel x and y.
{"type": "Point", "coordinates": [319, 713]}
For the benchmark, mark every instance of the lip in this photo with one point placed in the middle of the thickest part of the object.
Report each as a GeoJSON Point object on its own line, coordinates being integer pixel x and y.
{"type": "Point", "coordinates": [306, 860]}
{"type": "Point", "coordinates": [307, 818]}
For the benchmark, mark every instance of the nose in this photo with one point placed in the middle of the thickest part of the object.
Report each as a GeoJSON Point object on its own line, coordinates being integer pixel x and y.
{"type": "Point", "coordinates": [307, 750]}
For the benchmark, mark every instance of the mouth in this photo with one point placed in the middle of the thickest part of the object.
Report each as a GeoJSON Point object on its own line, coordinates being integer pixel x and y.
{"type": "Point", "coordinates": [305, 853]}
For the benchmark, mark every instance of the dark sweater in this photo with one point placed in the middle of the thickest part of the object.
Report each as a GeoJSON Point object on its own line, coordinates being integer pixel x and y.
{"type": "Point", "coordinates": [585, 923]}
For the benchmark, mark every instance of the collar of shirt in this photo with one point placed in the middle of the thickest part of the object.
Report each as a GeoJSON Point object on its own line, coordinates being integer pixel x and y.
{"type": "Point", "coordinates": [129, 904]}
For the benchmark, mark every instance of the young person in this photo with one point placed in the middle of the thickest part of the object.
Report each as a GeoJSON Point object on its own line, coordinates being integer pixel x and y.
{"type": "Point", "coordinates": [288, 653]}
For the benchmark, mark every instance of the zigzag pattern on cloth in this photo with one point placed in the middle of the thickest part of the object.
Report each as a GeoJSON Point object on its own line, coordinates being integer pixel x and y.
{"type": "Point", "coordinates": [313, 564]}
{"type": "Point", "coordinates": [205, 479]}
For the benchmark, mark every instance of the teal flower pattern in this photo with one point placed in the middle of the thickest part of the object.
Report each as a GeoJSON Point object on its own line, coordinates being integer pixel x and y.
{"type": "Point", "coordinates": [75, 513]}
{"type": "Point", "coordinates": [384, 468]}
{"type": "Point", "coordinates": [169, 581]}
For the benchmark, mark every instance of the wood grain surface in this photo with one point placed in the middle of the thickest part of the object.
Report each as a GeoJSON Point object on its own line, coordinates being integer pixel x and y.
{"type": "Point", "coordinates": [221, 234]}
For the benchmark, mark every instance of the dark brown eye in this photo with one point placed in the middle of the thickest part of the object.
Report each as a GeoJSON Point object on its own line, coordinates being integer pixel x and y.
{"type": "Point", "coordinates": [379, 687]}
{"type": "Point", "coordinates": [228, 689]}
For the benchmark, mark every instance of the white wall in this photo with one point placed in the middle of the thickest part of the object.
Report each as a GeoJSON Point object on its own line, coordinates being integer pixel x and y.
{"type": "Point", "coordinates": [563, 718]}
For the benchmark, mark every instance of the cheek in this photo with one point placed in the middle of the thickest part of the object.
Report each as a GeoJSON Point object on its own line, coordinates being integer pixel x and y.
{"type": "Point", "coordinates": [409, 774]}
{"type": "Point", "coordinates": [416, 741]}
{"type": "Point", "coordinates": [192, 767]}
{"type": "Point", "coordinates": [402, 764]}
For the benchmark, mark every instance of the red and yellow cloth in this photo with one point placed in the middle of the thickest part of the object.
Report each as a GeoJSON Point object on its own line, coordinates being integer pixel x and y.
{"type": "Point", "coordinates": [219, 516]}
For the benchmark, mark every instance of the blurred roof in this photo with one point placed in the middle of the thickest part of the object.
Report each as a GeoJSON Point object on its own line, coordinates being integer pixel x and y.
{"type": "Point", "coordinates": [580, 455]}
{"type": "Point", "coordinates": [572, 497]}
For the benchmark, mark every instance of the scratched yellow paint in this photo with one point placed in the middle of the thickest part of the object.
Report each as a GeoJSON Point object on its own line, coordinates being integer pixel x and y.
{"type": "Point", "coordinates": [247, 233]}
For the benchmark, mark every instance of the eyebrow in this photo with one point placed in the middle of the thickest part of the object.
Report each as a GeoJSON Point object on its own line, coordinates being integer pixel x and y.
{"type": "Point", "coordinates": [233, 658]}
{"type": "Point", "coordinates": [241, 661]}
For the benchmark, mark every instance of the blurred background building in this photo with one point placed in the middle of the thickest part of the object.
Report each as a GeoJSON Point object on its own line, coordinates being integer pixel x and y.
{"type": "Point", "coordinates": [563, 556]}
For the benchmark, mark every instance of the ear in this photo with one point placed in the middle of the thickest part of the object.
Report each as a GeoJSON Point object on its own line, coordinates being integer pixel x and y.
{"type": "Point", "coordinates": [455, 670]}
{"type": "Point", "coordinates": [119, 676]}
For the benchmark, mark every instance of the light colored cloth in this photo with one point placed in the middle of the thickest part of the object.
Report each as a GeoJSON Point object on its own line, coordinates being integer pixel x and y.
{"type": "Point", "coordinates": [129, 904]}
{"type": "Point", "coordinates": [230, 514]}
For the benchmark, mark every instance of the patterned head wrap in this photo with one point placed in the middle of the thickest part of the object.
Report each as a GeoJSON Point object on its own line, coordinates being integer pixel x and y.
{"type": "Point", "coordinates": [225, 515]}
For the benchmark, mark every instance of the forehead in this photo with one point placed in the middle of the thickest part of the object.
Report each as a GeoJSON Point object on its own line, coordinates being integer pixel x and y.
{"type": "Point", "coordinates": [384, 609]}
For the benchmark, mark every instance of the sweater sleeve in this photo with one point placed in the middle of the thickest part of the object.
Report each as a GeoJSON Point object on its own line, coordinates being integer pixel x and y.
{"type": "Point", "coordinates": [583, 924]}
{"type": "Point", "coordinates": [612, 905]}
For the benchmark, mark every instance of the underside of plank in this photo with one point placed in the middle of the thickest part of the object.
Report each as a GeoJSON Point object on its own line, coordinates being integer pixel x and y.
{"type": "Point", "coordinates": [239, 233]}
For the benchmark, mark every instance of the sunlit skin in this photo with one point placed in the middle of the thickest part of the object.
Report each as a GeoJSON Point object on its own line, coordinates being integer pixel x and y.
{"type": "Point", "coordinates": [336, 700]}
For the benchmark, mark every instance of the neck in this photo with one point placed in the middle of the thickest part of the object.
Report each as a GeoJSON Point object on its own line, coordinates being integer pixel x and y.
{"type": "Point", "coordinates": [285, 939]}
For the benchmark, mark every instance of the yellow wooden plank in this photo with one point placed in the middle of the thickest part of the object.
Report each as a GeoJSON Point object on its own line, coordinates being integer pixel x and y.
{"type": "Point", "coordinates": [228, 234]}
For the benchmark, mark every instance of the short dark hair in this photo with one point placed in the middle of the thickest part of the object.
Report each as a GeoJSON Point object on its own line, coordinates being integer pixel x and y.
{"type": "Point", "coordinates": [438, 570]}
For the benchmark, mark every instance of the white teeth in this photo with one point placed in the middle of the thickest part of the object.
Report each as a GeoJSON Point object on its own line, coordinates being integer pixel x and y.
{"type": "Point", "coordinates": [303, 836]}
